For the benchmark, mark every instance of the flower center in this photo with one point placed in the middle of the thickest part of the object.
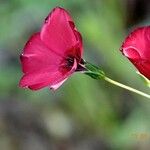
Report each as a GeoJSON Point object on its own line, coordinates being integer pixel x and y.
{"type": "Point", "coordinates": [69, 62]}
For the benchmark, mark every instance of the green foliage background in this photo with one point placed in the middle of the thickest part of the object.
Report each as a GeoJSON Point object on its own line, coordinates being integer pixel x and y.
{"type": "Point", "coordinates": [83, 110]}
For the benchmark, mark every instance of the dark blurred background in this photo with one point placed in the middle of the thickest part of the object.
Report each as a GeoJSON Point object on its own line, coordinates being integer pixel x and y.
{"type": "Point", "coordinates": [84, 114]}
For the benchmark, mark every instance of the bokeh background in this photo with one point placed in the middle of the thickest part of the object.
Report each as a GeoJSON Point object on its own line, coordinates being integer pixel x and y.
{"type": "Point", "coordinates": [84, 114]}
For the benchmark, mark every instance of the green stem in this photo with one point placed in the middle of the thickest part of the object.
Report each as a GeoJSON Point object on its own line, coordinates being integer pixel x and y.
{"type": "Point", "coordinates": [126, 87]}
{"type": "Point", "coordinates": [96, 73]}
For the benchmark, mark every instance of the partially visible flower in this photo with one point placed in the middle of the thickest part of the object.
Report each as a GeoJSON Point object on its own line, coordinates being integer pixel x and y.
{"type": "Point", "coordinates": [136, 48]}
{"type": "Point", "coordinates": [53, 54]}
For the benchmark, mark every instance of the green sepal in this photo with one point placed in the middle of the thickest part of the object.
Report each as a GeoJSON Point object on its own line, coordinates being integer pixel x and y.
{"type": "Point", "coordinates": [146, 81]}
{"type": "Point", "coordinates": [93, 71]}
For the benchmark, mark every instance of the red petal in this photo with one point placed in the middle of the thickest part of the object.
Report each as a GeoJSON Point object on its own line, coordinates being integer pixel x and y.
{"type": "Point", "coordinates": [143, 67]}
{"type": "Point", "coordinates": [39, 79]}
{"type": "Point", "coordinates": [139, 40]}
{"type": "Point", "coordinates": [56, 86]}
{"type": "Point", "coordinates": [59, 32]}
{"type": "Point", "coordinates": [131, 53]}
{"type": "Point", "coordinates": [36, 56]}
{"type": "Point", "coordinates": [136, 48]}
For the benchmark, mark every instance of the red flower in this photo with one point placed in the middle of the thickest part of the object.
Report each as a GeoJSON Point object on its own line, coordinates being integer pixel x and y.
{"type": "Point", "coordinates": [136, 48]}
{"type": "Point", "coordinates": [52, 55]}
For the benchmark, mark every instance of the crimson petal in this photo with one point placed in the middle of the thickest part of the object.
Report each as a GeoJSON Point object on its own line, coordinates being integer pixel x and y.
{"type": "Point", "coordinates": [59, 32]}
{"type": "Point", "coordinates": [136, 48]}
{"type": "Point", "coordinates": [41, 65]}
{"type": "Point", "coordinates": [39, 79]}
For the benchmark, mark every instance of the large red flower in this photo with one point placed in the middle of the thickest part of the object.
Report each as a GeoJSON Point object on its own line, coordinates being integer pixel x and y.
{"type": "Point", "coordinates": [53, 54]}
{"type": "Point", "coordinates": [136, 48]}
